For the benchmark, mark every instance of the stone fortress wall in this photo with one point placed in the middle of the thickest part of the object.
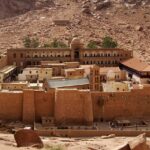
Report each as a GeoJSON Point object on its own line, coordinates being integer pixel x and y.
{"type": "Point", "coordinates": [74, 107]}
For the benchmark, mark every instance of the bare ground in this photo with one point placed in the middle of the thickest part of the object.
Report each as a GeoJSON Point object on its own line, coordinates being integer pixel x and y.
{"type": "Point", "coordinates": [117, 21]}
{"type": "Point", "coordinates": [96, 143]}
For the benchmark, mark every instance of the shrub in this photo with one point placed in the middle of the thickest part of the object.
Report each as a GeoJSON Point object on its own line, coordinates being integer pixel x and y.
{"type": "Point", "coordinates": [58, 44]}
{"type": "Point", "coordinates": [31, 42]}
{"type": "Point", "coordinates": [92, 44]}
{"type": "Point", "coordinates": [108, 42]}
{"type": "Point", "coordinates": [27, 42]}
{"type": "Point", "coordinates": [35, 43]}
{"type": "Point", "coordinates": [46, 45]}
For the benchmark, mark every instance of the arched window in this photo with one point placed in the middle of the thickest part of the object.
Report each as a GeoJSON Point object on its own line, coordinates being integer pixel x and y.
{"type": "Point", "coordinates": [14, 55]}
{"type": "Point", "coordinates": [21, 55]}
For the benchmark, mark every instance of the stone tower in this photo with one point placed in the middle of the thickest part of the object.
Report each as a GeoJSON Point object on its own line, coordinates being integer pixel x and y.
{"type": "Point", "coordinates": [76, 45]}
{"type": "Point", "coordinates": [95, 78]}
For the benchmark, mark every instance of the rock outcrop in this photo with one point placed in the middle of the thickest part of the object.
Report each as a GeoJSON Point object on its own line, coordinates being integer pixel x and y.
{"type": "Point", "coordinates": [25, 138]}
{"type": "Point", "coordinates": [139, 143]}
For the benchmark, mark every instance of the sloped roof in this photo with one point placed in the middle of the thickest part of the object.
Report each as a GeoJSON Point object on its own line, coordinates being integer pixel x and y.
{"type": "Point", "coordinates": [67, 82]}
{"type": "Point", "coordinates": [136, 64]}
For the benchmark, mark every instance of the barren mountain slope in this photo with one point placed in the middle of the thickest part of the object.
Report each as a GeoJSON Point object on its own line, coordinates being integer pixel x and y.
{"type": "Point", "coordinates": [129, 25]}
{"type": "Point", "coordinates": [10, 8]}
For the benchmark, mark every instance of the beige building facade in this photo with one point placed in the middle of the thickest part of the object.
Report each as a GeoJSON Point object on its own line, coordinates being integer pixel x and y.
{"type": "Point", "coordinates": [119, 75]}
{"type": "Point", "coordinates": [14, 86]}
{"type": "Point", "coordinates": [35, 74]}
{"type": "Point", "coordinates": [73, 73]}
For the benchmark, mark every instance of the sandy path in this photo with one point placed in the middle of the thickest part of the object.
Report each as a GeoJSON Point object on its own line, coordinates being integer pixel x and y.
{"type": "Point", "coordinates": [7, 142]}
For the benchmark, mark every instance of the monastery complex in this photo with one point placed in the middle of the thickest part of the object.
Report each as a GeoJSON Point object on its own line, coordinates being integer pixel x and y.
{"type": "Point", "coordinates": [74, 87]}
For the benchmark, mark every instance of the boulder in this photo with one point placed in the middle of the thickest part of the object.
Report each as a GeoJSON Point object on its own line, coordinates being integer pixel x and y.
{"type": "Point", "coordinates": [26, 138]}
{"type": "Point", "coordinates": [139, 143]}
{"type": "Point", "coordinates": [139, 28]}
{"type": "Point", "coordinates": [86, 10]}
{"type": "Point", "coordinates": [102, 5]}
{"type": "Point", "coordinates": [124, 147]}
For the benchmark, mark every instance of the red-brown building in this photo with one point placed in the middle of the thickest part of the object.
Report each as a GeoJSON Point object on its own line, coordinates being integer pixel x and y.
{"type": "Point", "coordinates": [103, 57]}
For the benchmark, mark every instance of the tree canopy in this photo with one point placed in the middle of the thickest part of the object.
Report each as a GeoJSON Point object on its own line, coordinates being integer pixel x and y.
{"type": "Point", "coordinates": [108, 42]}
{"type": "Point", "coordinates": [31, 42]}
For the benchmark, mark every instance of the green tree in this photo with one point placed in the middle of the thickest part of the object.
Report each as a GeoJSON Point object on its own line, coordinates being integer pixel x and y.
{"type": "Point", "coordinates": [108, 42]}
{"type": "Point", "coordinates": [46, 45]}
{"type": "Point", "coordinates": [35, 43]}
{"type": "Point", "coordinates": [92, 44]}
{"type": "Point", "coordinates": [58, 44]}
{"type": "Point", "coordinates": [29, 42]}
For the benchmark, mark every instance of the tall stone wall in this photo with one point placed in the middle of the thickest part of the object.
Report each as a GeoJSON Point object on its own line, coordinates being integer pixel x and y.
{"type": "Point", "coordinates": [11, 106]}
{"type": "Point", "coordinates": [44, 104]}
{"type": "Point", "coordinates": [28, 106]}
{"type": "Point", "coordinates": [128, 105]}
{"type": "Point", "coordinates": [73, 107]}
{"type": "Point", "coordinates": [37, 104]}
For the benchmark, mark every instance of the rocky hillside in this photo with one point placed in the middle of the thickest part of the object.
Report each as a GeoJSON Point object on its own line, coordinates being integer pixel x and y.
{"type": "Point", "coordinates": [10, 8]}
{"type": "Point", "coordinates": [127, 21]}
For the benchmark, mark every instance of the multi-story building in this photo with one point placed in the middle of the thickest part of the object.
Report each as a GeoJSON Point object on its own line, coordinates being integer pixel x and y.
{"type": "Point", "coordinates": [119, 75]}
{"type": "Point", "coordinates": [14, 86]}
{"type": "Point", "coordinates": [34, 74]}
{"type": "Point", "coordinates": [73, 73]}
{"type": "Point", "coordinates": [23, 57]}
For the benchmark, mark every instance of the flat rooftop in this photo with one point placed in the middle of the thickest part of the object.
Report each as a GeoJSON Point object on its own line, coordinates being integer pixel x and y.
{"type": "Point", "coordinates": [35, 68]}
{"type": "Point", "coordinates": [53, 64]}
{"type": "Point", "coordinates": [67, 82]}
{"type": "Point", "coordinates": [7, 69]}
{"type": "Point", "coordinates": [73, 69]}
{"type": "Point", "coordinates": [106, 69]}
{"type": "Point", "coordinates": [15, 83]}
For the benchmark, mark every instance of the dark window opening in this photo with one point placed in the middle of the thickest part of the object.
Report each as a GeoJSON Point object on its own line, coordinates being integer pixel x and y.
{"type": "Point", "coordinates": [76, 54]}
{"type": "Point", "coordinates": [21, 55]}
{"type": "Point", "coordinates": [14, 55]}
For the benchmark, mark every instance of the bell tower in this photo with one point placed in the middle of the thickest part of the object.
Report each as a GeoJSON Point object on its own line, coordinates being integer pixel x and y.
{"type": "Point", "coordinates": [76, 45]}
